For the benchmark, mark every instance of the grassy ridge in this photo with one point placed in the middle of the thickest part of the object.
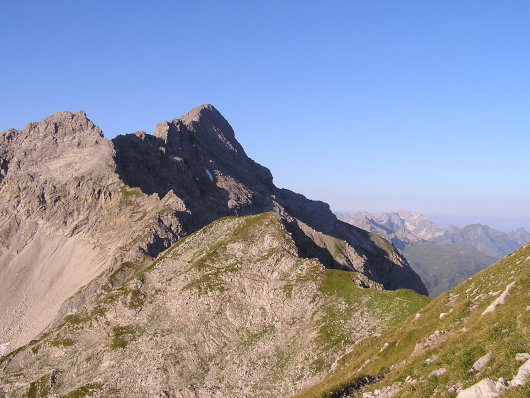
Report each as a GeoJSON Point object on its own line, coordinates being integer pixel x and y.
{"type": "Point", "coordinates": [468, 336]}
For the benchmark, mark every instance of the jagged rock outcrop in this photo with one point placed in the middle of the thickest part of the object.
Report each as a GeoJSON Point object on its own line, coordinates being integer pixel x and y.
{"type": "Point", "coordinates": [76, 205]}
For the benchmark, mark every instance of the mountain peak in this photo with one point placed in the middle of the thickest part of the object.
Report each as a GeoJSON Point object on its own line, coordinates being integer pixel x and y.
{"type": "Point", "coordinates": [204, 110]}
{"type": "Point", "coordinates": [61, 125]}
{"type": "Point", "coordinates": [207, 115]}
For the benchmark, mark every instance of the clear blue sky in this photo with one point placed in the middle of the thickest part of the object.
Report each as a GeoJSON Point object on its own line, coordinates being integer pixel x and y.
{"type": "Point", "coordinates": [375, 105]}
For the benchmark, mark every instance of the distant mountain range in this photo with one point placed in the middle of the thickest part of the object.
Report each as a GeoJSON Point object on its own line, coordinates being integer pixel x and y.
{"type": "Point", "coordinates": [488, 240]}
{"type": "Point", "coordinates": [442, 257]}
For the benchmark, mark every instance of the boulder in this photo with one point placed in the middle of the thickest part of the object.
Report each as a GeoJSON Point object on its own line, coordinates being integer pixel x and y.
{"type": "Point", "coordinates": [483, 389]}
{"type": "Point", "coordinates": [522, 376]}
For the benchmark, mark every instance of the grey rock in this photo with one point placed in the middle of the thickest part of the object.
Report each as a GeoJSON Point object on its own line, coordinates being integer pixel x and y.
{"type": "Point", "coordinates": [232, 308]}
{"type": "Point", "coordinates": [430, 342]}
{"type": "Point", "coordinates": [182, 149]}
{"type": "Point", "coordinates": [481, 363]}
{"type": "Point", "coordinates": [385, 392]}
{"type": "Point", "coordinates": [483, 389]}
{"type": "Point", "coordinates": [501, 384]}
{"type": "Point", "coordinates": [428, 361]}
{"type": "Point", "coordinates": [3, 348]}
{"type": "Point", "coordinates": [499, 300]}
{"type": "Point", "coordinates": [438, 372]}
{"type": "Point", "coordinates": [522, 376]}
{"type": "Point", "coordinates": [83, 218]}
{"type": "Point", "coordinates": [68, 195]}
{"type": "Point", "coordinates": [385, 346]}
{"type": "Point", "coordinates": [455, 388]}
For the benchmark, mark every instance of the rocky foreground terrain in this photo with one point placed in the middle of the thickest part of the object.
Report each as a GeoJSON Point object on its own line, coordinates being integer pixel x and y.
{"type": "Point", "coordinates": [121, 276]}
{"type": "Point", "coordinates": [471, 342]}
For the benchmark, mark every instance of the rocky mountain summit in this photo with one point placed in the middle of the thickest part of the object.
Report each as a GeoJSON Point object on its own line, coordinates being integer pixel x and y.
{"type": "Point", "coordinates": [87, 223]}
{"type": "Point", "coordinates": [488, 240]}
{"type": "Point", "coordinates": [399, 227]}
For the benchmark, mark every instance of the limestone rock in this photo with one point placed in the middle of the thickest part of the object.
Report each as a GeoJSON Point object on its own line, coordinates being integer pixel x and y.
{"type": "Point", "coordinates": [499, 300]}
{"type": "Point", "coordinates": [3, 348]}
{"type": "Point", "coordinates": [522, 376]}
{"type": "Point", "coordinates": [438, 372]}
{"type": "Point", "coordinates": [501, 384]}
{"type": "Point", "coordinates": [82, 220]}
{"type": "Point", "coordinates": [430, 342]}
{"type": "Point", "coordinates": [481, 363]}
{"type": "Point", "coordinates": [231, 310]}
{"type": "Point", "coordinates": [483, 389]}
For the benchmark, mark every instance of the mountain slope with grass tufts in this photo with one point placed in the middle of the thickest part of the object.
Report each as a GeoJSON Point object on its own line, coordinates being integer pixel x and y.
{"type": "Point", "coordinates": [479, 332]}
{"type": "Point", "coordinates": [230, 310]}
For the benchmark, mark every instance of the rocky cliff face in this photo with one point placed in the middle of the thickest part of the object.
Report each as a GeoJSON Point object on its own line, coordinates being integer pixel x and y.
{"type": "Point", "coordinates": [55, 194]}
{"type": "Point", "coordinates": [75, 207]}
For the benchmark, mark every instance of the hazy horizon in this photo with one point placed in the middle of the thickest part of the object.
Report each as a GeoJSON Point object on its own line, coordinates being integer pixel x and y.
{"type": "Point", "coordinates": [504, 224]}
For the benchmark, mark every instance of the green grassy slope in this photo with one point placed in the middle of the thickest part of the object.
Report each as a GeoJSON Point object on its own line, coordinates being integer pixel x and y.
{"type": "Point", "coordinates": [466, 336]}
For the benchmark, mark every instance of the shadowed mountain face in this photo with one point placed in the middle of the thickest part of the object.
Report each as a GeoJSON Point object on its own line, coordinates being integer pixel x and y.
{"type": "Point", "coordinates": [198, 159]}
{"type": "Point", "coordinates": [75, 207]}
